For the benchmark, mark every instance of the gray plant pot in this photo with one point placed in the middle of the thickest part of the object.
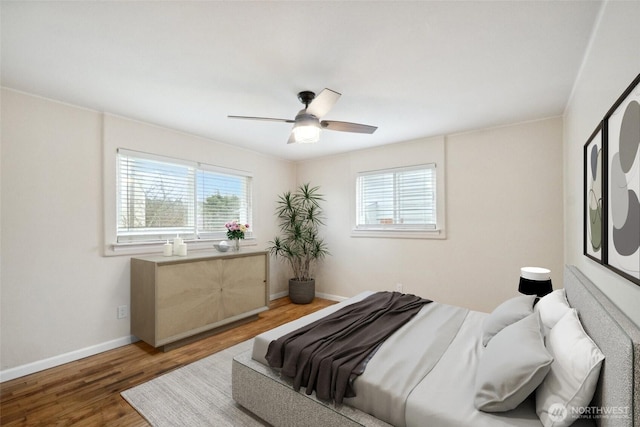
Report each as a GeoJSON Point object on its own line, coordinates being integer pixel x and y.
{"type": "Point", "coordinates": [302, 292]}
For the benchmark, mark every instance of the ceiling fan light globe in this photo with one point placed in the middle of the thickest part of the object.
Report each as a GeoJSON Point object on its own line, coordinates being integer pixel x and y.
{"type": "Point", "coordinates": [306, 134]}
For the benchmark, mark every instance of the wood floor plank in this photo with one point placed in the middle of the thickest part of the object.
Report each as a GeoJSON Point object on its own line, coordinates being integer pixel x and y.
{"type": "Point", "coordinates": [87, 392]}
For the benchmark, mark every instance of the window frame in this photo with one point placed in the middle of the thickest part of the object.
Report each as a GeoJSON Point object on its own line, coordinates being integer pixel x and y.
{"type": "Point", "coordinates": [197, 238]}
{"type": "Point", "coordinates": [396, 200]}
{"type": "Point", "coordinates": [412, 153]}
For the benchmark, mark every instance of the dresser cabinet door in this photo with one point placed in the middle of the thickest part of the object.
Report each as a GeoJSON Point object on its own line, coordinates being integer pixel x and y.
{"type": "Point", "coordinates": [188, 297]}
{"type": "Point", "coordinates": [243, 284]}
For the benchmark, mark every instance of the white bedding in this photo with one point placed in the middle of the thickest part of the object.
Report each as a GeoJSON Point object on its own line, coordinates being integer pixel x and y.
{"type": "Point", "coordinates": [404, 360]}
{"type": "Point", "coordinates": [445, 396]}
{"type": "Point", "coordinates": [424, 373]}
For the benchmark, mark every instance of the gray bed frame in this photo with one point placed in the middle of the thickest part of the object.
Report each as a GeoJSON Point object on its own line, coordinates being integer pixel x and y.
{"type": "Point", "coordinates": [260, 390]}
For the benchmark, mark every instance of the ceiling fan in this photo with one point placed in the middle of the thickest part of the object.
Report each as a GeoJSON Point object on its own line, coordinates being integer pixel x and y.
{"type": "Point", "coordinates": [307, 124]}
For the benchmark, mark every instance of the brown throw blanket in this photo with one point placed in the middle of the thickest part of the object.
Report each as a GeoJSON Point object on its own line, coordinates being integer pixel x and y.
{"type": "Point", "coordinates": [328, 354]}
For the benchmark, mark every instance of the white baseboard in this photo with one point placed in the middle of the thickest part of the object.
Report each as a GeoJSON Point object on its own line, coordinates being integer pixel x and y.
{"type": "Point", "coordinates": [278, 295]}
{"type": "Point", "coordinates": [318, 294]}
{"type": "Point", "coordinates": [41, 365]}
{"type": "Point", "coordinates": [330, 297]}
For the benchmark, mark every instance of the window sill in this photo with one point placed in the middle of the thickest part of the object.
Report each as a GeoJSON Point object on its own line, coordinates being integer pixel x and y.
{"type": "Point", "coordinates": [399, 234]}
{"type": "Point", "coordinates": [139, 248]}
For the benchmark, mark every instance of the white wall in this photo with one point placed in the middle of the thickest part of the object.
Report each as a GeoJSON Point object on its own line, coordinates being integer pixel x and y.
{"type": "Point", "coordinates": [59, 294]}
{"type": "Point", "coordinates": [504, 211]}
{"type": "Point", "coordinates": [612, 62]}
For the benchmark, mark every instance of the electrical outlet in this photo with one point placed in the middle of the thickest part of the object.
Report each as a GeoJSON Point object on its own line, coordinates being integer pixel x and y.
{"type": "Point", "coordinates": [399, 287]}
{"type": "Point", "coordinates": [122, 311]}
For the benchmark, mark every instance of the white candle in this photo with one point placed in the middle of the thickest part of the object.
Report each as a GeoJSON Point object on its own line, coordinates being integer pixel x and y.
{"type": "Point", "coordinates": [168, 249]}
{"type": "Point", "coordinates": [182, 249]}
{"type": "Point", "coordinates": [177, 242]}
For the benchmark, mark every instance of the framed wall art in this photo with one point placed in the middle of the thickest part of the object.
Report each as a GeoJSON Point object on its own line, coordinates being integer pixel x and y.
{"type": "Point", "coordinates": [622, 125]}
{"type": "Point", "coordinates": [594, 209]}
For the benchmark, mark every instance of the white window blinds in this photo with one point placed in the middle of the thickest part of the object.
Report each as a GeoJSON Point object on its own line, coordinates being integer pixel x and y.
{"type": "Point", "coordinates": [222, 198]}
{"type": "Point", "coordinates": [397, 199]}
{"type": "Point", "coordinates": [159, 198]}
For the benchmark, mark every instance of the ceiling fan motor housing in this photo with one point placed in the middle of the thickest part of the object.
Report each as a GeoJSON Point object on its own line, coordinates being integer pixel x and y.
{"type": "Point", "coordinates": [305, 119]}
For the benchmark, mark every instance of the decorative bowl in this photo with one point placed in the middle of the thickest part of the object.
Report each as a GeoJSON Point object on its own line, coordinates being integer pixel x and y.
{"type": "Point", "coordinates": [222, 246]}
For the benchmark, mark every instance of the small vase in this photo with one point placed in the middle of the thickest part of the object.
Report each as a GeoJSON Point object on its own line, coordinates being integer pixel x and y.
{"type": "Point", "coordinates": [235, 246]}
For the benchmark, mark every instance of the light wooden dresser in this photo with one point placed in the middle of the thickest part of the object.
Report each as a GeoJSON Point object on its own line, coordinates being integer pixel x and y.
{"type": "Point", "coordinates": [173, 298]}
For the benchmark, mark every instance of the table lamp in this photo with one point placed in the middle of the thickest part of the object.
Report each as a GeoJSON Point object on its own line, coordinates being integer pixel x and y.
{"type": "Point", "coordinates": [535, 281]}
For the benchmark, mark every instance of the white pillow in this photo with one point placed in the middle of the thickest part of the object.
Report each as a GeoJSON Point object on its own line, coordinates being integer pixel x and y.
{"type": "Point", "coordinates": [552, 307]}
{"type": "Point", "coordinates": [511, 367]}
{"type": "Point", "coordinates": [505, 314]}
{"type": "Point", "coordinates": [573, 378]}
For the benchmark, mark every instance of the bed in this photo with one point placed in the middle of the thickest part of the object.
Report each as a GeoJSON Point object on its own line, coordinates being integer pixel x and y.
{"type": "Point", "coordinates": [441, 392]}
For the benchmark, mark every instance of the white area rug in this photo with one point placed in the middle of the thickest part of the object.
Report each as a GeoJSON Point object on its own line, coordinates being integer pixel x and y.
{"type": "Point", "coordinates": [198, 394]}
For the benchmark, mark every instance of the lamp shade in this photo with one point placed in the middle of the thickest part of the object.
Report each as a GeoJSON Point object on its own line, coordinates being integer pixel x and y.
{"type": "Point", "coordinates": [306, 134]}
{"type": "Point", "coordinates": [306, 128]}
{"type": "Point", "coordinates": [535, 281]}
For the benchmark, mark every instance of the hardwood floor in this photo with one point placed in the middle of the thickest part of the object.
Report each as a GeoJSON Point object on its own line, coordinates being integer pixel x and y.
{"type": "Point", "coordinates": [87, 392]}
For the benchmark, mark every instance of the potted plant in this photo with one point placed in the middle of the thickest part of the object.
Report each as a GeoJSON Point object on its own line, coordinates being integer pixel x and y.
{"type": "Point", "coordinates": [299, 218]}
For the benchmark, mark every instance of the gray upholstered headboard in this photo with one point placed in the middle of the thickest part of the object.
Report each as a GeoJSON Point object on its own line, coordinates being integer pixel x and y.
{"type": "Point", "coordinates": [619, 339]}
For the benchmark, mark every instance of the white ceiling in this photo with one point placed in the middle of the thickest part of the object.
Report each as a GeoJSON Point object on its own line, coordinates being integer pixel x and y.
{"type": "Point", "coordinates": [413, 69]}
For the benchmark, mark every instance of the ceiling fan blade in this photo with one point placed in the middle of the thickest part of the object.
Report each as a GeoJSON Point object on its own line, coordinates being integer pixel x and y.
{"type": "Point", "coordinates": [323, 102]}
{"type": "Point", "coordinates": [292, 139]}
{"type": "Point", "coordinates": [267, 119]}
{"type": "Point", "coordinates": [347, 126]}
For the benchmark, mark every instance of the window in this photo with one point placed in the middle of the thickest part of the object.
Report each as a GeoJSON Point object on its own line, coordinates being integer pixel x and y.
{"type": "Point", "coordinates": [159, 198]}
{"type": "Point", "coordinates": [402, 199]}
